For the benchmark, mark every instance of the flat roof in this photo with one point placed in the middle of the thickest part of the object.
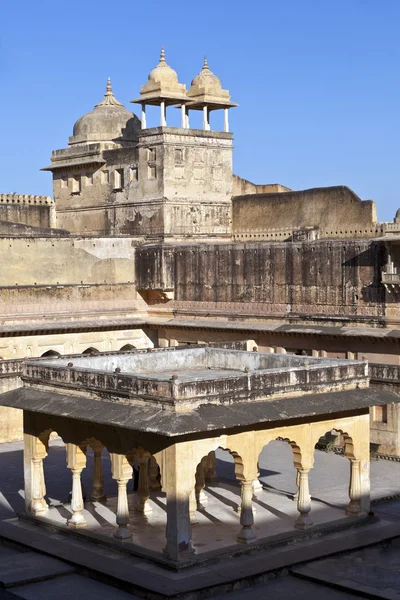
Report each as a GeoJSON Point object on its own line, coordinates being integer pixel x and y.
{"type": "Point", "coordinates": [204, 418]}
{"type": "Point", "coordinates": [182, 378]}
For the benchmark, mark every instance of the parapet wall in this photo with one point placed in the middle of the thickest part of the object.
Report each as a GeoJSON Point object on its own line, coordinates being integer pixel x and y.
{"type": "Point", "coordinates": [321, 277]}
{"type": "Point", "coordinates": [334, 211]}
{"type": "Point", "coordinates": [37, 211]}
{"type": "Point", "coordinates": [243, 187]}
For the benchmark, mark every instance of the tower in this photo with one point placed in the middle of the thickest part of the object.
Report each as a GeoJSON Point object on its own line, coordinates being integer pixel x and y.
{"type": "Point", "coordinates": [185, 174]}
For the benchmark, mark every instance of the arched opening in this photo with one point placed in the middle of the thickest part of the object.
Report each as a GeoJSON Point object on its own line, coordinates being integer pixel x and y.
{"type": "Point", "coordinates": [128, 348]}
{"type": "Point", "coordinates": [91, 351]}
{"type": "Point", "coordinates": [216, 503]}
{"type": "Point", "coordinates": [57, 482]}
{"type": "Point", "coordinates": [335, 481]}
{"type": "Point", "coordinates": [51, 354]}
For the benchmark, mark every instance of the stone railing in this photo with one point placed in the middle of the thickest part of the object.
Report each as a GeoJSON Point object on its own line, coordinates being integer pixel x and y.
{"type": "Point", "coordinates": [24, 199]}
{"type": "Point", "coordinates": [116, 383]}
{"type": "Point", "coordinates": [11, 368]}
{"type": "Point", "coordinates": [384, 372]}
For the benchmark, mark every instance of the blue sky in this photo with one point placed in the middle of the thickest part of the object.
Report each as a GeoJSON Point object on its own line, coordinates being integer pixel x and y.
{"type": "Point", "coordinates": [317, 82]}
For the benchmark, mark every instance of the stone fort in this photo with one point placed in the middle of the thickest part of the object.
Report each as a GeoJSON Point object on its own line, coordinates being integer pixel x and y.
{"type": "Point", "coordinates": [151, 241]}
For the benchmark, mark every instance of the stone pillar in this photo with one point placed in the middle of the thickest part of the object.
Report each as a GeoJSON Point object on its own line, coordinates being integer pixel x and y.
{"type": "Point", "coordinates": [97, 494]}
{"type": "Point", "coordinates": [354, 507]}
{"type": "Point", "coordinates": [183, 116]}
{"type": "Point", "coordinates": [178, 486]}
{"type": "Point", "coordinates": [246, 534]}
{"type": "Point", "coordinates": [144, 124]}
{"type": "Point", "coordinates": [187, 119]}
{"type": "Point", "coordinates": [193, 507]}
{"type": "Point", "coordinates": [122, 472]}
{"type": "Point", "coordinates": [76, 462]}
{"type": "Point", "coordinates": [303, 501]}
{"type": "Point", "coordinates": [257, 485]}
{"type": "Point", "coordinates": [315, 353]}
{"type": "Point", "coordinates": [206, 125]}
{"type": "Point", "coordinates": [34, 454]}
{"type": "Point", "coordinates": [211, 476]}
{"type": "Point", "coordinates": [143, 490]}
{"type": "Point", "coordinates": [296, 494]}
{"type": "Point", "coordinates": [163, 120]}
{"type": "Point", "coordinates": [226, 121]}
{"type": "Point", "coordinates": [154, 483]}
{"type": "Point", "coordinates": [200, 483]}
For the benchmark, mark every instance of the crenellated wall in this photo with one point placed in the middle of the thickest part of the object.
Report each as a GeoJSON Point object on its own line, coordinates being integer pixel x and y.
{"type": "Point", "coordinates": [37, 211]}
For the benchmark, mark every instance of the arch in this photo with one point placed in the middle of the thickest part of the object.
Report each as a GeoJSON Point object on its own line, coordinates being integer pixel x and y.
{"type": "Point", "coordinates": [91, 351]}
{"type": "Point", "coordinates": [51, 353]}
{"type": "Point", "coordinates": [127, 348]}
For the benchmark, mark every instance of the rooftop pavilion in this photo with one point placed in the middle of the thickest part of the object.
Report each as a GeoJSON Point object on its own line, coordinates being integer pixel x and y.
{"type": "Point", "coordinates": [165, 413]}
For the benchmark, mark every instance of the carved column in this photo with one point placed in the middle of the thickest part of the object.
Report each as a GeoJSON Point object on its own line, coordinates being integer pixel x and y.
{"type": "Point", "coordinates": [76, 462]}
{"type": "Point", "coordinates": [97, 494]}
{"type": "Point", "coordinates": [178, 475]}
{"type": "Point", "coordinates": [200, 483]}
{"type": "Point", "coordinates": [38, 505]}
{"type": "Point", "coordinates": [354, 507]}
{"type": "Point", "coordinates": [193, 507]}
{"type": "Point", "coordinates": [143, 490]}
{"type": "Point", "coordinates": [122, 472]}
{"type": "Point", "coordinates": [303, 501]}
{"type": "Point", "coordinates": [211, 476]}
{"type": "Point", "coordinates": [154, 482]}
{"type": "Point", "coordinates": [35, 452]}
{"type": "Point", "coordinates": [247, 533]}
{"type": "Point", "coordinates": [257, 485]}
{"type": "Point", "coordinates": [296, 494]}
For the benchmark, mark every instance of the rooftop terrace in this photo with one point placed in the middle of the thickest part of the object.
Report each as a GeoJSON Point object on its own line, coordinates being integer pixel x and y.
{"type": "Point", "coordinates": [183, 379]}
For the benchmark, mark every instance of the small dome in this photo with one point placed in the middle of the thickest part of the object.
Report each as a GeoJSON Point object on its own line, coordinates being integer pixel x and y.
{"type": "Point", "coordinates": [206, 78]}
{"type": "Point", "coordinates": [108, 121]}
{"type": "Point", "coordinates": [163, 73]}
{"type": "Point", "coordinates": [397, 217]}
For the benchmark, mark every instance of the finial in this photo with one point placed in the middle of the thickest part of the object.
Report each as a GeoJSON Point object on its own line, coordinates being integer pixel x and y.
{"type": "Point", "coordinates": [205, 66]}
{"type": "Point", "coordinates": [109, 98]}
{"type": "Point", "coordinates": [162, 55]}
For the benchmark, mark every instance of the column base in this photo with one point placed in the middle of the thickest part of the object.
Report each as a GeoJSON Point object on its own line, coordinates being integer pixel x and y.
{"type": "Point", "coordinates": [143, 508]}
{"type": "Point", "coordinates": [193, 519]}
{"type": "Point", "coordinates": [123, 533]}
{"type": "Point", "coordinates": [355, 510]}
{"type": "Point", "coordinates": [77, 523]}
{"type": "Point", "coordinates": [214, 480]}
{"type": "Point", "coordinates": [257, 486]}
{"type": "Point", "coordinates": [184, 552]}
{"type": "Point", "coordinates": [246, 535]}
{"type": "Point", "coordinates": [39, 508]}
{"type": "Point", "coordinates": [304, 522]}
{"type": "Point", "coordinates": [98, 497]}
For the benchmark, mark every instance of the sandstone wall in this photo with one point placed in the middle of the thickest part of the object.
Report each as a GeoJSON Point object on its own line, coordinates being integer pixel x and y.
{"type": "Point", "coordinates": [321, 277]}
{"type": "Point", "coordinates": [37, 211]}
{"type": "Point", "coordinates": [243, 187]}
{"type": "Point", "coordinates": [66, 261]}
{"type": "Point", "coordinates": [334, 211]}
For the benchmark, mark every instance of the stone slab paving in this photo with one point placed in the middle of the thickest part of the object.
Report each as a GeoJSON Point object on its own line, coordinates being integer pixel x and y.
{"type": "Point", "coordinates": [71, 587]}
{"type": "Point", "coordinates": [288, 588]}
{"type": "Point", "coordinates": [28, 567]}
{"type": "Point", "coordinates": [371, 571]}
